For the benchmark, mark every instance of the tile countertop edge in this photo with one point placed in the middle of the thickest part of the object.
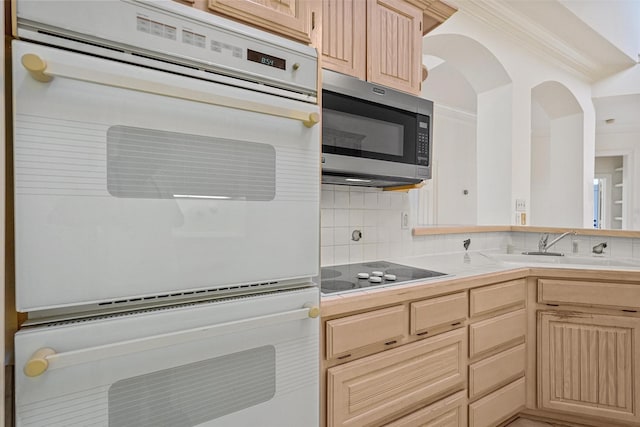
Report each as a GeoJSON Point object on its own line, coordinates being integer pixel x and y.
{"type": "Point", "coordinates": [460, 229]}
{"type": "Point", "coordinates": [362, 301]}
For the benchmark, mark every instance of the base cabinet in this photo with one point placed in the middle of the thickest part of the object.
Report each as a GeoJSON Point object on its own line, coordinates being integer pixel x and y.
{"type": "Point", "coordinates": [588, 365]}
{"type": "Point", "coordinates": [377, 389]}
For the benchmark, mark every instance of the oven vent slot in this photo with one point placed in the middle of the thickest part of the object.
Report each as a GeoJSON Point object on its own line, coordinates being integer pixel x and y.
{"type": "Point", "coordinates": [188, 294]}
{"type": "Point", "coordinates": [224, 297]}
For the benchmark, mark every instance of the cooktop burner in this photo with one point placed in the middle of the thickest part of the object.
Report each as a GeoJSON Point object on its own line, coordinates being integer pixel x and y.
{"type": "Point", "coordinates": [349, 277]}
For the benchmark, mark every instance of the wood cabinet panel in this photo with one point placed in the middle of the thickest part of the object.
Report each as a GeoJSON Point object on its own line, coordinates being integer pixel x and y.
{"type": "Point", "coordinates": [589, 364]}
{"type": "Point", "coordinates": [497, 370]}
{"type": "Point", "coordinates": [618, 295]}
{"type": "Point", "coordinates": [491, 410]}
{"type": "Point", "coordinates": [394, 44]}
{"type": "Point", "coordinates": [497, 297]}
{"type": "Point", "coordinates": [344, 26]}
{"type": "Point", "coordinates": [435, 313]}
{"type": "Point", "coordinates": [497, 331]}
{"type": "Point", "coordinates": [375, 327]}
{"type": "Point", "coordinates": [291, 18]}
{"type": "Point", "coordinates": [372, 390]}
{"type": "Point", "coordinates": [448, 412]}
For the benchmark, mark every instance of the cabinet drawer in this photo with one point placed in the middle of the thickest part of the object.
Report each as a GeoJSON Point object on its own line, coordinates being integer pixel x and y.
{"type": "Point", "coordinates": [438, 312]}
{"type": "Point", "coordinates": [497, 297]}
{"type": "Point", "coordinates": [448, 412]}
{"type": "Point", "coordinates": [617, 295]}
{"type": "Point", "coordinates": [492, 333]}
{"type": "Point", "coordinates": [375, 327]}
{"type": "Point", "coordinates": [495, 371]}
{"type": "Point", "coordinates": [491, 410]}
{"type": "Point", "coordinates": [372, 390]}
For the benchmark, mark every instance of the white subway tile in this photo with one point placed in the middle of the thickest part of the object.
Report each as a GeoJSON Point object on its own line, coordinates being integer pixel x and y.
{"type": "Point", "coordinates": [326, 255]}
{"type": "Point", "coordinates": [341, 199]}
{"type": "Point", "coordinates": [383, 235]}
{"type": "Point", "coordinates": [326, 236]}
{"type": "Point", "coordinates": [383, 250]}
{"type": "Point", "coordinates": [371, 200]}
{"type": "Point", "coordinates": [384, 200]}
{"type": "Point", "coordinates": [326, 198]}
{"type": "Point", "coordinates": [356, 217]}
{"type": "Point", "coordinates": [341, 218]}
{"type": "Point", "coordinates": [370, 235]}
{"type": "Point", "coordinates": [342, 236]}
{"type": "Point", "coordinates": [621, 247]}
{"type": "Point", "coordinates": [356, 253]}
{"type": "Point", "coordinates": [341, 254]}
{"type": "Point", "coordinates": [370, 218]}
{"type": "Point", "coordinates": [341, 188]}
{"type": "Point", "coordinates": [326, 218]}
{"type": "Point", "coordinates": [395, 250]}
{"type": "Point", "coordinates": [636, 248]}
{"type": "Point", "coordinates": [356, 199]}
{"type": "Point", "coordinates": [370, 252]}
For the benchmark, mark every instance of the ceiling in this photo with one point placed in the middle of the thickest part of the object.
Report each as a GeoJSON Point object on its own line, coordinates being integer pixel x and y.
{"type": "Point", "coordinates": [594, 39]}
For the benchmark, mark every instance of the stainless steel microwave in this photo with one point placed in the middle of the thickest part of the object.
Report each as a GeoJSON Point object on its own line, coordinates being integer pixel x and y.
{"type": "Point", "coordinates": [372, 135]}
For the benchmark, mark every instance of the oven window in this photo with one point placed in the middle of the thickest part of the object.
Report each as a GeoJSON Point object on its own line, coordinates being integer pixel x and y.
{"type": "Point", "coordinates": [155, 164]}
{"type": "Point", "coordinates": [174, 397]}
{"type": "Point", "coordinates": [357, 127]}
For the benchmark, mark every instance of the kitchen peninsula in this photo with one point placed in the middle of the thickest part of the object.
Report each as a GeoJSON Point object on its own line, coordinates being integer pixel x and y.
{"type": "Point", "coordinates": [491, 341]}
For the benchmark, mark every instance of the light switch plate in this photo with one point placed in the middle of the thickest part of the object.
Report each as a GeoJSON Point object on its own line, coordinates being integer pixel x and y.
{"type": "Point", "coordinates": [521, 205]}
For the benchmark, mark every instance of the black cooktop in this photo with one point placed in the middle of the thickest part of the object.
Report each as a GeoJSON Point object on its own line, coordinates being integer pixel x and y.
{"type": "Point", "coordinates": [341, 278]}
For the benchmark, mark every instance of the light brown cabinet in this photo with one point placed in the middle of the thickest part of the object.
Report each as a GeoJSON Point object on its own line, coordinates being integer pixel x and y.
{"type": "Point", "coordinates": [589, 364]}
{"type": "Point", "coordinates": [294, 19]}
{"type": "Point", "coordinates": [378, 388]}
{"type": "Point", "coordinates": [384, 48]}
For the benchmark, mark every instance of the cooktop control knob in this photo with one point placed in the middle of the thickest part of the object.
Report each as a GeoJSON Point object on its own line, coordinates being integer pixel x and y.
{"type": "Point", "coordinates": [363, 275]}
{"type": "Point", "coordinates": [375, 279]}
{"type": "Point", "coordinates": [377, 273]}
{"type": "Point", "coordinates": [390, 277]}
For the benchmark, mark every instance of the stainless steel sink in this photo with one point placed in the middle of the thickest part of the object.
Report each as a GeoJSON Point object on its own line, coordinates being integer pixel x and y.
{"type": "Point", "coordinates": [532, 258]}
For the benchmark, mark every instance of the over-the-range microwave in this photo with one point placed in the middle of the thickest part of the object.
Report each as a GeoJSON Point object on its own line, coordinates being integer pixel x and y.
{"type": "Point", "coordinates": [372, 135]}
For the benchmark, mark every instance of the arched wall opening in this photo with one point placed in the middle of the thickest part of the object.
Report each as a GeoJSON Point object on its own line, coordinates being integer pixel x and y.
{"type": "Point", "coordinates": [557, 169]}
{"type": "Point", "coordinates": [472, 152]}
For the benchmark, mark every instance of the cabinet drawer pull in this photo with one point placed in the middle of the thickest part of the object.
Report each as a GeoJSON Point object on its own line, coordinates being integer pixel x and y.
{"type": "Point", "coordinates": [423, 333]}
{"type": "Point", "coordinates": [344, 357]}
{"type": "Point", "coordinates": [630, 311]}
{"type": "Point", "coordinates": [391, 342]}
{"type": "Point", "coordinates": [456, 324]}
{"type": "Point", "coordinates": [553, 305]}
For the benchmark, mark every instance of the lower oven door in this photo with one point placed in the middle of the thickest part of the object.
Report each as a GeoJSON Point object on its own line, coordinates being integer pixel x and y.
{"type": "Point", "coordinates": [133, 182]}
{"type": "Point", "coordinates": [250, 361]}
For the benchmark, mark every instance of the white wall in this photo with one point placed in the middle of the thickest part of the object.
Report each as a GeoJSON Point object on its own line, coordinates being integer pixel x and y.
{"type": "Point", "coordinates": [2, 209]}
{"type": "Point", "coordinates": [455, 152]}
{"type": "Point", "coordinates": [504, 128]}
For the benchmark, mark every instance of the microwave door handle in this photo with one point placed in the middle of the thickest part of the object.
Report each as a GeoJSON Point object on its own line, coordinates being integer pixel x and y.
{"type": "Point", "coordinates": [46, 358]}
{"type": "Point", "coordinates": [45, 71]}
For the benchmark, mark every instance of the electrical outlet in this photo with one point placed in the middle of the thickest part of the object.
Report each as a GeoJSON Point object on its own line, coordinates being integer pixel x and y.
{"type": "Point", "coordinates": [521, 205]}
{"type": "Point", "coordinates": [404, 220]}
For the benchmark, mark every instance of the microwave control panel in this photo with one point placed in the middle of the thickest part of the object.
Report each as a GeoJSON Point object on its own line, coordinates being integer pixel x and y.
{"type": "Point", "coordinates": [422, 149]}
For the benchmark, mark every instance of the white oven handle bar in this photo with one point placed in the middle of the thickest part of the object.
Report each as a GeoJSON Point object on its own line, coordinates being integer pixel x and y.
{"type": "Point", "coordinates": [44, 72]}
{"type": "Point", "coordinates": [47, 358]}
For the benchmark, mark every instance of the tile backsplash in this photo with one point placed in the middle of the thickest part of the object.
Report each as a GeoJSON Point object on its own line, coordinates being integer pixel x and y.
{"type": "Point", "coordinates": [378, 216]}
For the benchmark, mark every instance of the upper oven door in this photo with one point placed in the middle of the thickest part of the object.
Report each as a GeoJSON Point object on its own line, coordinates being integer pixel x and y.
{"type": "Point", "coordinates": [126, 188]}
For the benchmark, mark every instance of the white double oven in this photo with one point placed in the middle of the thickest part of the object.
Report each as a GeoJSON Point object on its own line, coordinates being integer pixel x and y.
{"type": "Point", "coordinates": [166, 187]}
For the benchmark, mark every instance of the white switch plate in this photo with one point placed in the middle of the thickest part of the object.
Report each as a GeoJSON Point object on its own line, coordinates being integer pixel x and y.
{"type": "Point", "coordinates": [404, 220]}
{"type": "Point", "coordinates": [521, 205]}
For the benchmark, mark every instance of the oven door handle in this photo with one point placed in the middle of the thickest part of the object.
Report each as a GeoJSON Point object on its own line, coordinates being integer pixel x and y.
{"type": "Point", "coordinates": [47, 359]}
{"type": "Point", "coordinates": [44, 72]}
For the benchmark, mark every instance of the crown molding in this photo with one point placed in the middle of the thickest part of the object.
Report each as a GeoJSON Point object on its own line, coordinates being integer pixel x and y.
{"type": "Point", "coordinates": [524, 31]}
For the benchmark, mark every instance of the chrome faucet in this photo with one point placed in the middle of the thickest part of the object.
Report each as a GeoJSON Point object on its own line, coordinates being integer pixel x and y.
{"type": "Point", "coordinates": [543, 246]}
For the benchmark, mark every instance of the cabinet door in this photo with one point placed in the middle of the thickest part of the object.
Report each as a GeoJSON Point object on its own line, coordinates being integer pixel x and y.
{"type": "Point", "coordinates": [589, 365]}
{"type": "Point", "coordinates": [394, 44]}
{"type": "Point", "coordinates": [344, 36]}
{"type": "Point", "coordinates": [291, 18]}
{"type": "Point", "coordinates": [448, 412]}
{"type": "Point", "coordinates": [378, 388]}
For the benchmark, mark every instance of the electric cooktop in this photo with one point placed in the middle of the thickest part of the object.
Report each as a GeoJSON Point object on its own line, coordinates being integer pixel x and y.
{"type": "Point", "coordinates": [351, 277]}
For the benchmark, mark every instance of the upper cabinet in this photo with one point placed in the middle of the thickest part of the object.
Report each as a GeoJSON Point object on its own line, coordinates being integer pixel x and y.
{"type": "Point", "coordinates": [295, 19]}
{"type": "Point", "coordinates": [379, 40]}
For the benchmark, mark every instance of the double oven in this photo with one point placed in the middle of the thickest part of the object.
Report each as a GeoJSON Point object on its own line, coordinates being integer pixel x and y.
{"type": "Point", "coordinates": [166, 191]}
